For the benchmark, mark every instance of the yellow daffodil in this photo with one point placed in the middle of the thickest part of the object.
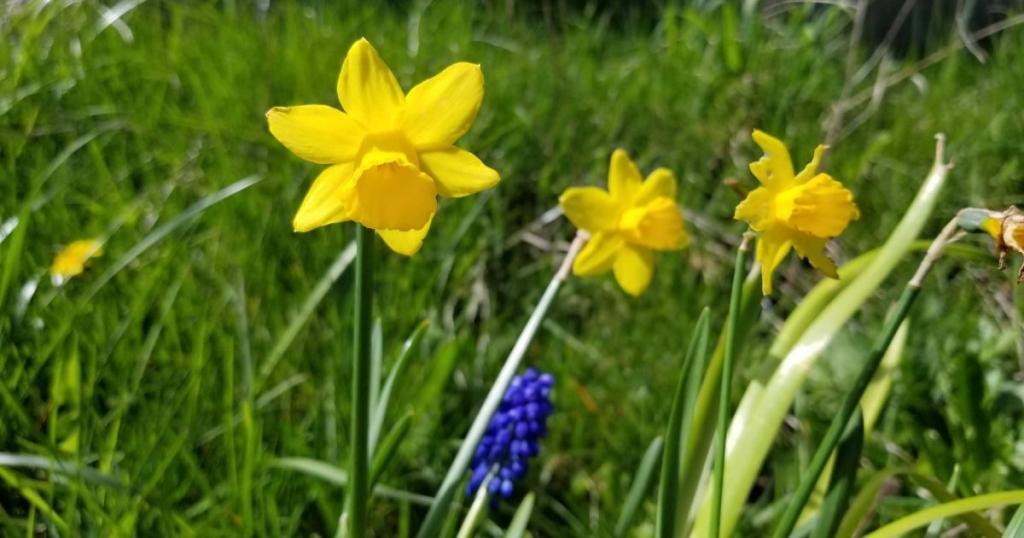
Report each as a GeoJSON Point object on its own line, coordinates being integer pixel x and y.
{"type": "Point", "coordinates": [800, 211]}
{"type": "Point", "coordinates": [626, 223]}
{"type": "Point", "coordinates": [391, 153]}
{"type": "Point", "coordinates": [71, 259]}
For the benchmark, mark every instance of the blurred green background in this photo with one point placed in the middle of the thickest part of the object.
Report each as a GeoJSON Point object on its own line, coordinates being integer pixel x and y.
{"type": "Point", "coordinates": [169, 364]}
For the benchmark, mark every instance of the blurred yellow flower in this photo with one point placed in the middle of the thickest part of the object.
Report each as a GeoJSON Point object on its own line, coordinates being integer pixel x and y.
{"type": "Point", "coordinates": [391, 153]}
{"type": "Point", "coordinates": [626, 223]}
{"type": "Point", "coordinates": [801, 211]}
{"type": "Point", "coordinates": [71, 259]}
{"type": "Point", "coordinates": [1007, 229]}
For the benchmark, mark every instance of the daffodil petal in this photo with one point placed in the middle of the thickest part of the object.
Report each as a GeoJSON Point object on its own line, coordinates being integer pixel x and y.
{"type": "Point", "coordinates": [634, 268]}
{"type": "Point", "coordinates": [660, 183]}
{"type": "Point", "coordinates": [458, 172]}
{"type": "Point", "coordinates": [441, 109]}
{"type": "Point", "coordinates": [405, 243]}
{"type": "Point", "coordinates": [822, 207]}
{"type": "Point", "coordinates": [811, 169]}
{"type": "Point", "coordinates": [812, 249]}
{"type": "Point", "coordinates": [368, 89]}
{"type": "Point", "coordinates": [389, 193]}
{"type": "Point", "coordinates": [598, 254]}
{"type": "Point", "coordinates": [590, 208]}
{"type": "Point", "coordinates": [327, 199]}
{"type": "Point", "coordinates": [775, 169]}
{"type": "Point", "coordinates": [316, 133]}
{"type": "Point", "coordinates": [756, 209]}
{"type": "Point", "coordinates": [624, 179]}
{"type": "Point", "coordinates": [772, 248]}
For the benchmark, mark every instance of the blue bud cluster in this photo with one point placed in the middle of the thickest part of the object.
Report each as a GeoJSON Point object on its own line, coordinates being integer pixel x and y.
{"type": "Point", "coordinates": [514, 434]}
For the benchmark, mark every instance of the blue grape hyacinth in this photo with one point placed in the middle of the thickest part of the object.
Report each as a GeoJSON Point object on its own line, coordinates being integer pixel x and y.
{"type": "Point", "coordinates": [513, 435]}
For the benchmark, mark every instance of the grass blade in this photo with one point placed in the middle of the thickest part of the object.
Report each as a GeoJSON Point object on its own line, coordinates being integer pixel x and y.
{"type": "Point", "coordinates": [947, 510]}
{"type": "Point", "coordinates": [678, 422]}
{"type": "Point", "coordinates": [411, 344]}
{"type": "Point", "coordinates": [517, 527]}
{"type": "Point", "coordinates": [1016, 527]}
{"type": "Point", "coordinates": [383, 457]}
{"type": "Point", "coordinates": [337, 476]}
{"type": "Point", "coordinates": [641, 484]}
{"type": "Point", "coordinates": [844, 474]}
{"type": "Point", "coordinates": [337, 268]}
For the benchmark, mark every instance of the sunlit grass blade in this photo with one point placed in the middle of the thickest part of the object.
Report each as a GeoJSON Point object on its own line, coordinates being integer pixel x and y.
{"type": "Point", "coordinates": [446, 492]}
{"type": "Point", "coordinates": [411, 344]}
{"type": "Point", "coordinates": [298, 321]}
{"type": "Point", "coordinates": [337, 476]}
{"type": "Point", "coordinates": [520, 520]}
{"type": "Point", "coordinates": [642, 479]}
{"type": "Point", "coordinates": [14, 481]}
{"type": "Point", "coordinates": [475, 514]}
{"type": "Point", "coordinates": [680, 417]}
{"type": "Point", "coordinates": [844, 476]}
{"type": "Point", "coordinates": [947, 510]}
{"type": "Point", "coordinates": [865, 500]}
{"type": "Point", "coordinates": [62, 467]}
{"type": "Point", "coordinates": [755, 438]}
{"type": "Point", "coordinates": [1016, 527]}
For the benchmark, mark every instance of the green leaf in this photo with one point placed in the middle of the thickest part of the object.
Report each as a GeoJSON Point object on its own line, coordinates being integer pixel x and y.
{"type": "Point", "coordinates": [947, 510]}
{"type": "Point", "coordinates": [337, 476]}
{"type": "Point", "coordinates": [384, 400]}
{"type": "Point", "coordinates": [298, 321]}
{"type": "Point", "coordinates": [517, 527]}
{"type": "Point", "coordinates": [844, 474]}
{"type": "Point", "coordinates": [679, 421]}
{"type": "Point", "coordinates": [640, 486]}
{"type": "Point", "coordinates": [1016, 527]}
{"type": "Point", "coordinates": [388, 447]}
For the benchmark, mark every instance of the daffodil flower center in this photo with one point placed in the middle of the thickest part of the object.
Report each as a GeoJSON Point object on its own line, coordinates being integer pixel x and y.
{"type": "Point", "coordinates": [656, 225]}
{"type": "Point", "coordinates": [389, 191]}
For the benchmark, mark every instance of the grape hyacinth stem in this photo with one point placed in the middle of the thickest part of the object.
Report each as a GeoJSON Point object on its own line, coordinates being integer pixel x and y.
{"type": "Point", "coordinates": [446, 492]}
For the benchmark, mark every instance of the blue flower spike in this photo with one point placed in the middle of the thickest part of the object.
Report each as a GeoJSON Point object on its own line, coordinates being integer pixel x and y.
{"type": "Point", "coordinates": [513, 435]}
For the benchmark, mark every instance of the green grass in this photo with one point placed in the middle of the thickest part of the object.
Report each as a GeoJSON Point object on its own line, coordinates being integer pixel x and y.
{"type": "Point", "coordinates": [147, 368]}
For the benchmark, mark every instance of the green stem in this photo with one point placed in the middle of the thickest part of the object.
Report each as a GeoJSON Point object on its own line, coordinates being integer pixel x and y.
{"type": "Point", "coordinates": [360, 426]}
{"type": "Point", "coordinates": [852, 399]}
{"type": "Point", "coordinates": [726, 384]}
{"type": "Point", "coordinates": [476, 511]}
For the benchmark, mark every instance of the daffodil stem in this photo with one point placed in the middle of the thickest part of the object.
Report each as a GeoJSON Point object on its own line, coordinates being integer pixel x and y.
{"type": "Point", "coordinates": [360, 426]}
{"type": "Point", "coordinates": [852, 399]}
{"type": "Point", "coordinates": [726, 383]}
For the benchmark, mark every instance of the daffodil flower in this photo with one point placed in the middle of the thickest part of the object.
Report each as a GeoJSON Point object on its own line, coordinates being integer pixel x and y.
{"type": "Point", "coordinates": [800, 211]}
{"type": "Point", "coordinates": [1005, 227]}
{"type": "Point", "coordinates": [390, 153]}
{"type": "Point", "coordinates": [70, 260]}
{"type": "Point", "coordinates": [626, 223]}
